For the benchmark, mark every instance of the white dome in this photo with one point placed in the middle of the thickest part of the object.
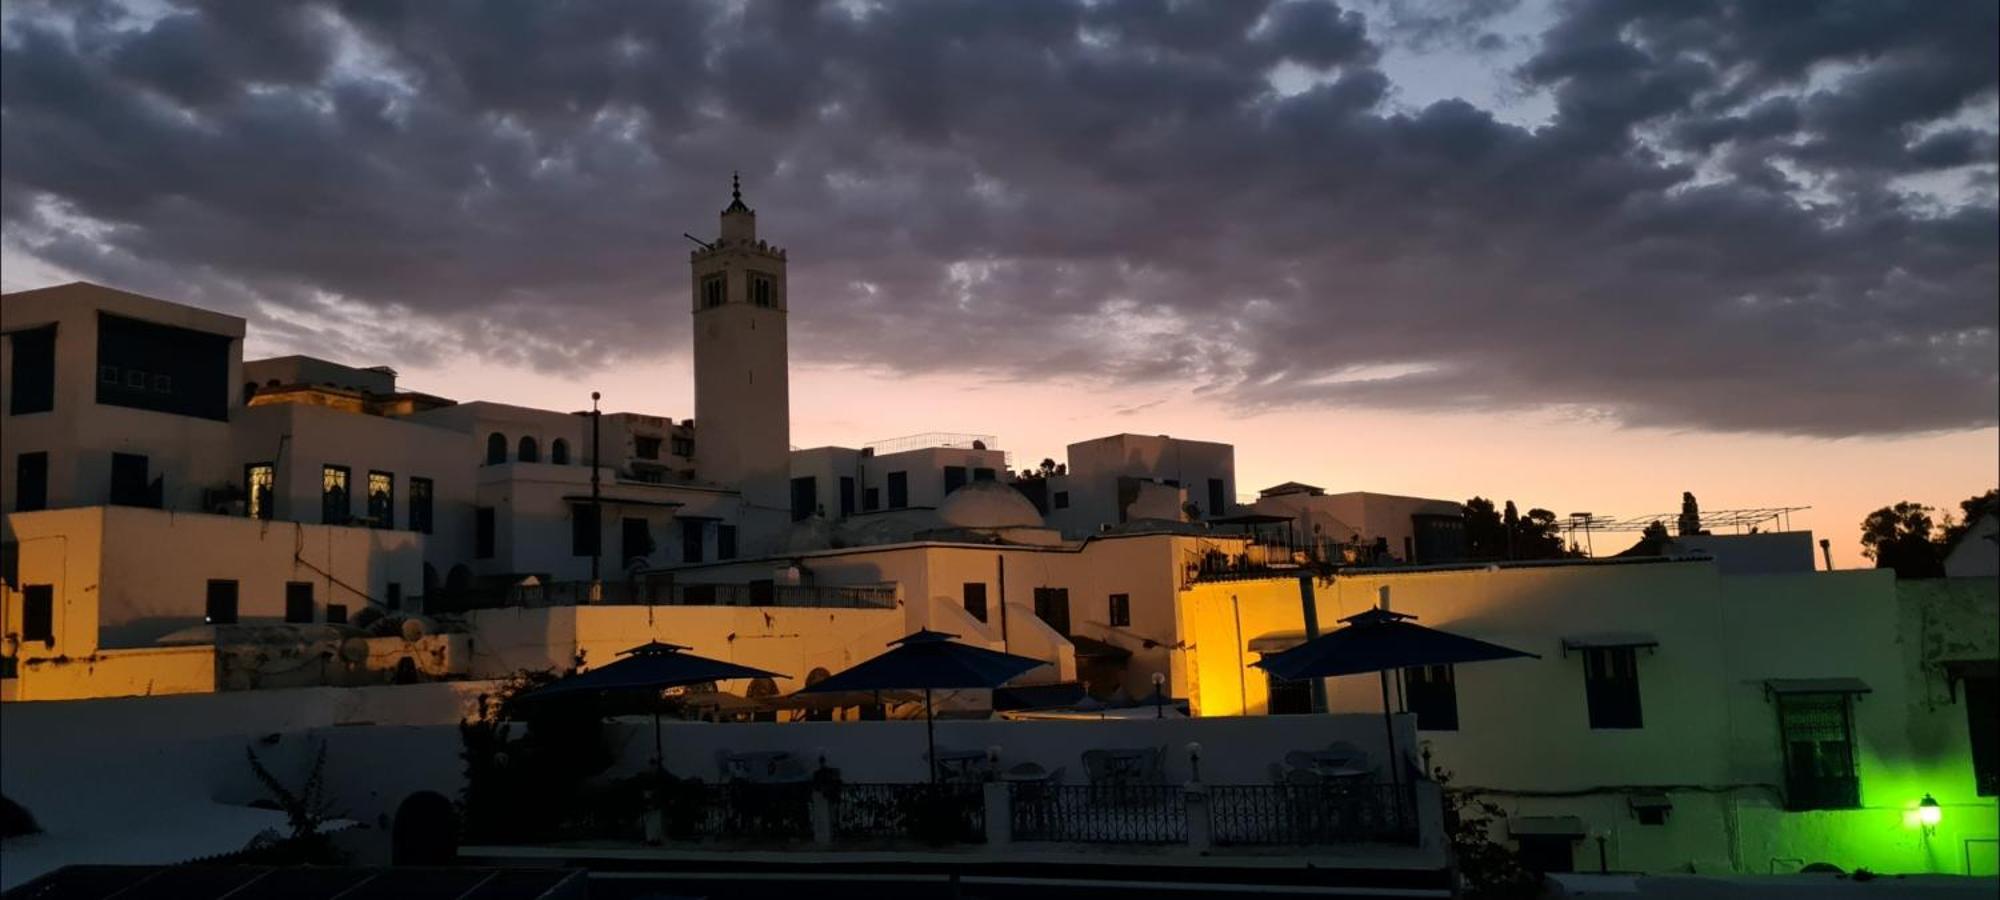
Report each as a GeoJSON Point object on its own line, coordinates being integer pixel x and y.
{"type": "Point", "coordinates": [987, 504]}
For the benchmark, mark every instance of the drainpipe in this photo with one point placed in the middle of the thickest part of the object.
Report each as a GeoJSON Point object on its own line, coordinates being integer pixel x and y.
{"type": "Point", "coordinates": [1312, 631]}
{"type": "Point", "coordinates": [1000, 560]}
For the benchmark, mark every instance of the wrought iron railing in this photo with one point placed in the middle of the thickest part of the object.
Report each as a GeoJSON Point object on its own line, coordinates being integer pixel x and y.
{"type": "Point", "coordinates": [928, 813]}
{"type": "Point", "coordinates": [739, 811]}
{"type": "Point", "coordinates": [1101, 813]}
{"type": "Point", "coordinates": [663, 591]}
{"type": "Point", "coordinates": [1311, 813]}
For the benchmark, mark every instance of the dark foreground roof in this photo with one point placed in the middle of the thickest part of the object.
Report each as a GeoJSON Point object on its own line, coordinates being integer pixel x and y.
{"type": "Point", "coordinates": [302, 882]}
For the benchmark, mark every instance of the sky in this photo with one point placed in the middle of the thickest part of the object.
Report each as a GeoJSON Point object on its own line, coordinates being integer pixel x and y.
{"type": "Point", "coordinates": [1580, 255]}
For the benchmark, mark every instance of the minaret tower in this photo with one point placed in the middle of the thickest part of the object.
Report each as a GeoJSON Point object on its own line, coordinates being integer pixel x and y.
{"type": "Point", "coordinates": [742, 395]}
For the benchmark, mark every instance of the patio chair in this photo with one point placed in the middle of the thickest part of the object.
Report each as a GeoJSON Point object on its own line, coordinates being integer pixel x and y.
{"type": "Point", "coordinates": [1097, 765]}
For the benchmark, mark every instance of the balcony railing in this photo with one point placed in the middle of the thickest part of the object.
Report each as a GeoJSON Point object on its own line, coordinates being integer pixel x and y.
{"type": "Point", "coordinates": [666, 592]}
{"type": "Point", "coordinates": [926, 813]}
{"type": "Point", "coordinates": [1101, 813]}
{"type": "Point", "coordinates": [1310, 813]}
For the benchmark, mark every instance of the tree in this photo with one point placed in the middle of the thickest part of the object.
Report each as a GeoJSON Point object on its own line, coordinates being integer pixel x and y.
{"type": "Point", "coordinates": [1974, 509]}
{"type": "Point", "coordinates": [1904, 538]}
{"type": "Point", "coordinates": [1510, 535]}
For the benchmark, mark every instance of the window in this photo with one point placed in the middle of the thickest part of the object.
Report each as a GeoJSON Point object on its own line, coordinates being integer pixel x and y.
{"type": "Point", "coordinates": [763, 290]}
{"type": "Point", "coordinates": [1289, 697]}
{"type": "Point", "coordinates": [683, 447]}
{"type": "Point", "coordinates": [1547, 853]}
{"type": "Point", "coordinates": [954, 478]}
{"type": "Point", "coordinates": [805, 495]}
{"type": "Point", "coordinates": [31, 481]}
{"type": "Point", "coordinates": [1432, 693]}
{"type": "Point", "coordinates": [38, 613]}
{"type": "Point", "coordinates": [1982, 720]}
{"type": "Point", "coordinates": [530, 451]}
{"type": "Point", "coordinates": [299, 602]}
{"type": "Point", "coordinates": [983, 474]}
{"type": "Point", "coordinates": [32, 375]}
{"type": "Point", "coordinates": [646, 447]}
{"type": "Point", "coordinates": [583, 526]}
{"type": "Point", "coordinates": [129, 482]}
{"type": "Point", "coordinates": [221, 602]}
{"type": "Point", "coordinates": [846, 496]}
{"type": "Point", "coordinates": [1611, 686]}
{"type": "Point", "coordinates": [164, 368]}
{"type": "Point", "coordinates": [714, 290]}
{"type": "Point", "coordinates": [763, 592]}
{"type": "Point", "coordinates": [1817, 731]}
{"type": "Point", "coordinates": [336, 614]}
{"type": "Point", "coordinates": [1062, 499]}
{"type": "Point", "coordinates": [1121, 610]}
{"type": "Point", "coordinates": [691, 540]}
{"type": "Point", "coordinates": [899, 490]}
{"type": "Point", "coordinates": [381, 500]}
{"type": "Point", "coordinates": [1052, 606]}
{"type": "Point", "coordinates": [333, 506]}
{"type": "Point", "coordinates": [635, 539]}
{"type": "Point", "coordinates": [420, 505]}
{"type": "Point", "coordinates": [559, 452]}
{"type": "Point", "coordinates": [392, 595]}
{"type": "Point", "coordinates": [496, 449]}
{"type": "Point", "coordinates": [260, 484]}
{"type": "Point", "coordinates": [871, 499]}
{"type": "Point", "coordinates": [1218, 498]}
{"type": "Point", "coordinates": [975, 599]}
{"type": "Point", "coordinates": [725, 542]}
{"type": "Point", "coordinates": [109, 375]}
{"type": "Point", "coordinates": [482, 532]}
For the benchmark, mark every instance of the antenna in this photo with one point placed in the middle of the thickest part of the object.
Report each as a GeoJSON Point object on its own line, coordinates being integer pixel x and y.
{"type": "Point", "coordinates": [704, 244]}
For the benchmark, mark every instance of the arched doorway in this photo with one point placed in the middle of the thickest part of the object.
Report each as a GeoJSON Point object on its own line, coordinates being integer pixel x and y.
{"type": "Point", "coordinates": [559, 452]}
{"type": "Point", "coordinates": [425, 832]}
{"type": "Point", "coordinates": [530, 450]}
{"type": "Point", "coordinates": [496, 449]}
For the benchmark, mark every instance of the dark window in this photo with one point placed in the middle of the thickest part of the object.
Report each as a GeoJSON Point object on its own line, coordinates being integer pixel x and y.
{"type": "Point", "coordinates": [975, 599]}
{"type": "Point", "coordinates": [559, 452]}
{"type": "Point", "coordinates": [381, 500]}
{"type": "Point", "coordinates": [635, 539]}
{"type": "Point", "coordinates": [33, 372]}
{"type": "Point", "coordinates": [646, 447]}
{"type": "Point", "coordinates": [31, 481]}
{"type": "Point", "coordinates": [1982, 722]}
{"type": "Point", "coordinates": [221, 602]}
{"type": "Point", "coordinates": [763, 291]}
{"type": "Point", "coordinates": [129, 480]}
{"type": "Point", "coordinates": [336, 614]}
{"type": "Point", "coordinates": [1121, 610]}
{"type": "Point", "coordinates": [714, 291]}
{"type": "Point", "coordinates": [1218, 498]}
{"type": "Point", "coordinates": [983, 474]}
{"type": "Point", "coordinates": [1289, 697]}
{"type": "Point", "coordinates": [482, 533]}
{"type": "Point", "coordinates": [38, 613]}
{"type": "Point", "coordinates": [683, 446]}
{"type": "Point", "coordinates": [1438, 538]}
{"type": "Point", "coordinates": [334, 508]}
{"type": "Point", "coordinates": [496, 449]}
{"type": "Point", "coordinates": [763, 592]}
{"type": "Point", "coordinates": [1611, 686]}
{"type": "Point", "coordinates": [871, 499]}
{"type": "Point", "coordinates": [725, 542]}
{"type": "Point", "coordinates": [299, 601]}
{"type": "Point", "coordinates": [167, 369]}
{"type": "Point", "coordinates": [392, 595]}
{"type": "Point", "coordinates": [1062, 500]}
{"type": "Point", "coordinates": [1547, 853]}
{"type": "Point", "coordinates": [1432, 692]}
{"type": "Point", "coordinates": [260, 485]}
{"type": "Point", "coordinates": [530, 450]}
{"type": "Point", "coordinates": [846, 496]}
{"type": "Point", "coordinates": [691, 540]}
{"type": "Point", "coordinates": [10, 562]}
{"type": "Point", "coordinates": [420, 505]}
{"type": "Point", "coordinates": [583, 526]}
{"type": "Point", "coordinates": [805, 496]}
{"type": "Point", "coordinates": [1052, 606]}
{"type": "Point", "coordinates": [954, 478]}
{"type": "Point", "coordinates": [899, 490]}
{"type": "Point", "coordinates": [1818, 735]}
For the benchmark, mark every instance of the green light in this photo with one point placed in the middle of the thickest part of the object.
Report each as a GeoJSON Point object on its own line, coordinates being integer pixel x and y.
{"type": "Point", "coordinates": [1929, 812]}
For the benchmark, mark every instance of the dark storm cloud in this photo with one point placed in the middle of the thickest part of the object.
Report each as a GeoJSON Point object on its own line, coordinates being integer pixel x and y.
{"type": "Point", "coordinates": [1716, 230]}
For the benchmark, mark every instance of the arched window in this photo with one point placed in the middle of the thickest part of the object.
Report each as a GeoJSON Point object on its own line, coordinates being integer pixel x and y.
{"type": "Point", "coordinates": [559, 452]}
{"type": "Point", "coordinates": [530, 451]}
{"type": "Point", "coordinates": [496, 449]}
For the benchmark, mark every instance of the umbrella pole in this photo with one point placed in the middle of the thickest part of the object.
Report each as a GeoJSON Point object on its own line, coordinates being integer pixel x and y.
{"type": "Point", "coordinates": [1389, 731]}
{"type": "Point", "coordinates": [930, 734]}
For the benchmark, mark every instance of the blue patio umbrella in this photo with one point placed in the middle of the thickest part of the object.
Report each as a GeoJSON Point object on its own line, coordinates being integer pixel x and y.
{"type": "Point", "coordinates": [926, 661]}
{"type": "Point", "coordinates": [1378, 640]}
{"type": "Point", "coordinates": [648, 668]}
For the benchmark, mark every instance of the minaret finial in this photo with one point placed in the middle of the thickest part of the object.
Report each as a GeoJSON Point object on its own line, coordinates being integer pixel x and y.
{"type": "Point", "coordinates": [736, 193]}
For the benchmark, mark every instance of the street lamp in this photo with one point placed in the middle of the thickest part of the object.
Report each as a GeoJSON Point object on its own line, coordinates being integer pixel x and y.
{"type": "Point", "coordinates": [1159, 697]}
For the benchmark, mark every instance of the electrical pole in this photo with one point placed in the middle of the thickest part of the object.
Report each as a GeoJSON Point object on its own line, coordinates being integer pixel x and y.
{"type": "Point", "coordinates": [596, 508]}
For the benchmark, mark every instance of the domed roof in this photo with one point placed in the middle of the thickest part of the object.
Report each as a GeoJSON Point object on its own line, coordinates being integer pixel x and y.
{"type": "Point", "coordinates": [988, 504]}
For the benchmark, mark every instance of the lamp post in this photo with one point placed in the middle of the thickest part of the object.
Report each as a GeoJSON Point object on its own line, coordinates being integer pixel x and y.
{"type": "Point", "coordinates": [1159, 697]}
{"type": "Point", "coordinates": [596, 508]}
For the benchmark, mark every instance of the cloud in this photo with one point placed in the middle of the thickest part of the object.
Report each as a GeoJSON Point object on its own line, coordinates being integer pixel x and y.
{"type": "Point", "coordinates": [1719, 228]}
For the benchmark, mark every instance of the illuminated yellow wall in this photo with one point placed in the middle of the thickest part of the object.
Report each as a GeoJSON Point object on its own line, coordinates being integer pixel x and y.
{"type": "Point", "coordinates": [119, 673]}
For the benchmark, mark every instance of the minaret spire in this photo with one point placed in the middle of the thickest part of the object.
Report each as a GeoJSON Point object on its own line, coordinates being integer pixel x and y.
{"type": "Point", "coordinates": [736, 194]}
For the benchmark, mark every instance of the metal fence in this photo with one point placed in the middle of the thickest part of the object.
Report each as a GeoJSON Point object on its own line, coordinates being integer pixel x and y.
{"type": "Point", "coordinates": [739, 811]}
{"type": "Point", "coordinates": [1101, 813]}
{"type": "Point", "coordinates": [664, 591]}
{"type": "Point", "coordinates": [928, 813]}
{"type": "Point", "coordinates": [1311, 813]}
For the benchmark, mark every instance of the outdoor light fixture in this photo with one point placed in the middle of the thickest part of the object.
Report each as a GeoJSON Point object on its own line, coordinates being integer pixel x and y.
{"type": "Point", "coordinates": [1929, 813]}
{"type": "Point", "coordinates": [1159, 697]}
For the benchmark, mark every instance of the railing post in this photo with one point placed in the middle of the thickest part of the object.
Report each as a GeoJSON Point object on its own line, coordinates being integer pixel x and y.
{"type": "Point", "coordinates": [1199, 827]}
{"type": "Point", "coordinates": [999, 813]}
{"type": "Point", "coordinates": [819, 808]}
